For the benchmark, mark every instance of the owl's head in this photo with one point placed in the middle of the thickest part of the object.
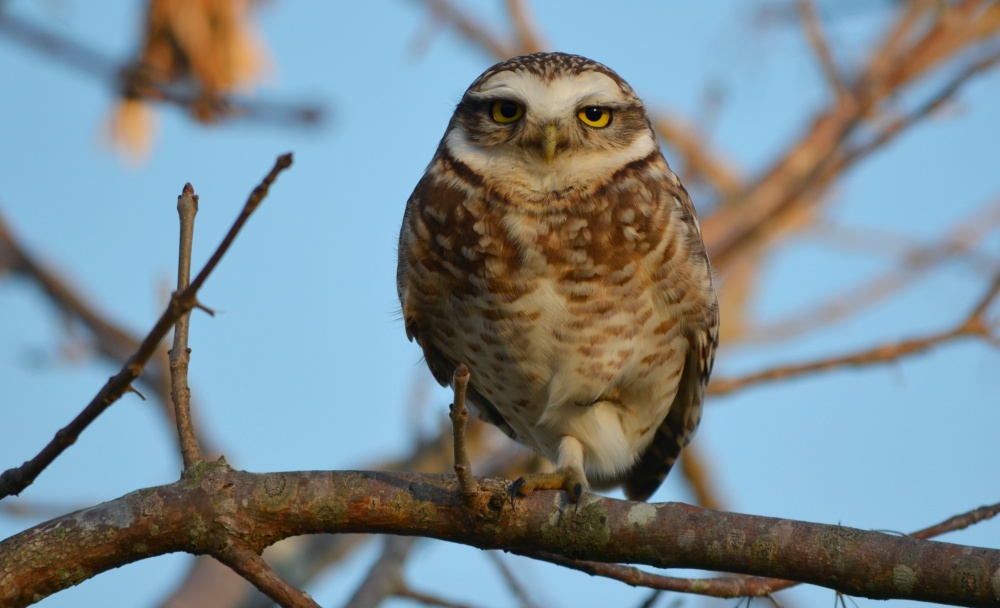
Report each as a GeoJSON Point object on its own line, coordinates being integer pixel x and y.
{"type": "Point", "coordinates": [549, 122]}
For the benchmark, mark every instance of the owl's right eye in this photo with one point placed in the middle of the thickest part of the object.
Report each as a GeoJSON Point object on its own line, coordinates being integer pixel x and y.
{"type": "Point", "coordinates": [506, 112]}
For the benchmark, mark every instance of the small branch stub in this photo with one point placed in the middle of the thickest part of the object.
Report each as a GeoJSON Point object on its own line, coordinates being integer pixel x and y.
{"type": "Point", "coordinates": [459, 417]}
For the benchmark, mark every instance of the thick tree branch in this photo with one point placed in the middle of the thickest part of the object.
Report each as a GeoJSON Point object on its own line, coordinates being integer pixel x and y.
{"type": "Point", "coordinates": [215, 503]}
{"type": "Point", "coordinates": [730, 586]}
{"type": "Point", "coordinates": [13, 481]}
{"type": "Point", "coordinates": [311, 555]}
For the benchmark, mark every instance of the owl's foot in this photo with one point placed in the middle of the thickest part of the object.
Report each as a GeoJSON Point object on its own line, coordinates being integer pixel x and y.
{"type": "Point", "coordinates": [571, 480]}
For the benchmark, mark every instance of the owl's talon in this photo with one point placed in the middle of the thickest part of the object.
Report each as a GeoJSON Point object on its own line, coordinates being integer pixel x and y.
{"type": "Point", "coordinates": [560, 479]}
{"type": "Point", "coordinates": [515, 489]}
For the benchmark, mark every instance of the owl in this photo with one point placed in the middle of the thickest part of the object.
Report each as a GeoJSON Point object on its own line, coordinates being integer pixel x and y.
{"type": "Point", "coordinates": [549, 247]}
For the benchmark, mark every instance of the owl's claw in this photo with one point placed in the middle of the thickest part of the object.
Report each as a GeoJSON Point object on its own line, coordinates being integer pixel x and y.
{"type": "Point", "coordinates": [571, 481]}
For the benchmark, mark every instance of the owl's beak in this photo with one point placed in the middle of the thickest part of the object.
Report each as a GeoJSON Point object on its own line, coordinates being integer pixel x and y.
{"type": "Point", "coordinates": [550, 142]}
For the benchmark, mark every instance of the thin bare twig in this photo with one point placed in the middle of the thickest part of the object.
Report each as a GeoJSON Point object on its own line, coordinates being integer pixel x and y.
{"type": "Point", "coordinates": [528, 37]}
{"type": "Point", "coordinates": [915, 261]}
{"type": "Point", "coordinates": [914, 253]}
{"type": "Point", "coordinates": [520, 593]}
{"type": "Point", "coordinates": [630, 575]}
{"type": "Point", "coordinates": [700, 160]}
{"type": "Point", "coordinates": [650, 601]}
{"type": "Point", "coordinates": [974, 325]}
{"type": "Point", "coordinates": [253, 201]}
{"type": "Point", "coordinates": [14, 480]}
{"type": "Point", "coordinates": [385, 577]}
{"type": "Point", "coordinates": [459, 419]}
{"type": "Point", "coordinates": [468, 28]}
{"type": "Point", "coordinates": [110, 340]}
{"type": "Point", "coordinates": [427, 599]}
{"type": "Point", "coordinates": [814, 33]}
{"type": "Point", "coordinates": [958, 522]}
{"type": "Point", "coordinates": [180, 354]}
{"type": "Point", "coordinates": [107, 338]}
{"type": "Point", "coordinates": [39, 510]}
{"type": "Point", "coordinates": [893, 128]}
{"type": "Point", "coordinates": [251, 566]}
{"type": "Point", "coordinates": [699, 478]}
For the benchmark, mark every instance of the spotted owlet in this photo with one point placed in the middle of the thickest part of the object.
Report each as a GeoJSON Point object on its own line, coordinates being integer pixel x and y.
{"type": "Point", "coordinates": [551, 249]}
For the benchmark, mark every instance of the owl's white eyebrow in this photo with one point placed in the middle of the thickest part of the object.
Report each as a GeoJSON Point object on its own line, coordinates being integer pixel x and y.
{"type": "Point", "coordinates": [598, 99]}
{"type": "Point", "coordinates": [492, 89]}
{"type": "Point", "coordinates": [587, 98]}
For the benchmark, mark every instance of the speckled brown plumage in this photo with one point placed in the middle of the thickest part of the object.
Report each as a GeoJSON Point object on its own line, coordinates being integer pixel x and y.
{"type": "Point", "coordinates": [563, 263]}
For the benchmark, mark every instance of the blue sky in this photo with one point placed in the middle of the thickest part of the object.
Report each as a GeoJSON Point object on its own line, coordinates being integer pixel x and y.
{"type": "Point", "coordinates": [306, 366]}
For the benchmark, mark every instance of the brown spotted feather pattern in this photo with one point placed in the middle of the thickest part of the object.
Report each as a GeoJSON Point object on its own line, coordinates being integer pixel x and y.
{"type": "Point", "coordinates": [564, 265]}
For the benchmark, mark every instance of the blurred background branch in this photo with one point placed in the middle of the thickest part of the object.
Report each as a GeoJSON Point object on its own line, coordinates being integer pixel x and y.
{"type": "Point", "coordinates": [204, 57]}
{"type": "Point", "coordinates": [195, 55]}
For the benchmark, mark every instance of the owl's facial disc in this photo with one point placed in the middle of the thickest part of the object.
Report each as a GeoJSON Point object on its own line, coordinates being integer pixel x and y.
{"type": "Point", "coordinates": [543, 132]}
{"type": "Point", "coordinates": [550, 125]}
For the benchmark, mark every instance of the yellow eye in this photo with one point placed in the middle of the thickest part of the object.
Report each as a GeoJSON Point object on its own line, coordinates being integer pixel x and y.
{"type": "Point", "coordinates": [595, 116]}
{"type": "Point", "coordinates": [506, 112]}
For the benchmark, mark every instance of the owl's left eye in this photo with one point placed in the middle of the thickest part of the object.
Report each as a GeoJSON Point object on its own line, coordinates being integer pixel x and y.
{"type": "Point", "coordinates": [595, 116]}
{"type": "Point", "coordinates": [506, 112]}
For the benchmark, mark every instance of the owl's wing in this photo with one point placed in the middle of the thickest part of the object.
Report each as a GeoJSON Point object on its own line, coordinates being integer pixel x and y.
{"type": "Point", "coordinates": [702, 330]}
{"type": "Point", "coordinates": [443, 370]}
{"type": "Point", "coordinates": [441, 366]}
{"type": "Point", "coordinates": [681, 422]}
{"type": "Point", "coordinates": [488, 412]}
